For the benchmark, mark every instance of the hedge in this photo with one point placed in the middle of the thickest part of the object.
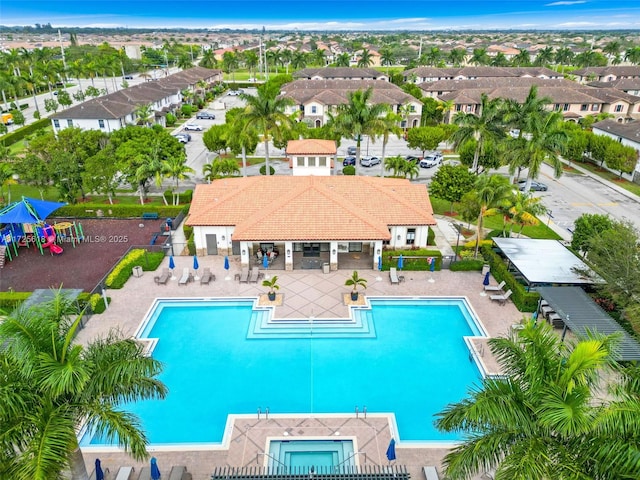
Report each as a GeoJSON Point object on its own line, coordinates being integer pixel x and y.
{"type": "Point", "coordinates": [12, 300]}
{"type": "Point", "coordinates": [137, 257]}
{"type": "Point", "coordinates": [20, 133]}
{"type": "Point", "coordinates": [184, 197]}
{"type": "Point", "coordinates": [468, 265]}
{"type": "Point", "coordinates": [96, 302]}
{"type": "Point", "coordinates": [263, 170]}
{"type": "Point", "coordinates": [88, 210]}
{"type": "Point", "coordinates": [411, 264]}
{"type": "Point", "coordinates": [523, 300]}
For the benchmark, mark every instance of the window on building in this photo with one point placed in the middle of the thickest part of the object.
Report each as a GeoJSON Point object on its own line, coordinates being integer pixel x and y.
{"type": "Point", "coordinates": [300, 161]}
{"type": "Point", "coordinates": [594, 107]}
{"type": "Point", "coordinates": [312, 161]}
{"type": "Point", "coordinates": [411, 236]}
{"type": "Point", "coordinates": [314, 109]}
{"type": "Point", "coordinates": [619, 108]}
{"type": "Point", "coordinates": [56, 123]}
{"type": "Point", "coordinates": [584, 107]}
{"type": "Point", "coordinates": [69, 123]}
{"type": "Point", "coordinates": [565, 107]}
{"type": "Point", "coordinates": [403, 123]}
{"type": "Point", "coordinates": [322, 161]}
{"type": "Point", "coordinates": [556, 107]}
{"type": "Point", "coordinates": [101, 123]}
{"type": "Point", "coordinates": [412, 108]}
{"type": "Point", "coordinates": [458, 108]}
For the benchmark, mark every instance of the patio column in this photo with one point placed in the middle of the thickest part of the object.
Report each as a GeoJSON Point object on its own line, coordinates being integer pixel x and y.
{"type": "Point", "coordinates": [288, 256]}
{"type": "Point", "coordinates": [333, 256]}
{"type": "Point", "coordinates": [377, 251]}
{"type": "Point", "coordinates": [245, 253]}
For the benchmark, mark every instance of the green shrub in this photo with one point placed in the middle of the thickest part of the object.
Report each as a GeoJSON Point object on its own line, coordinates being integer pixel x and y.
{"type": "Point", "coordinates": [170, 119]}
{"type": "Point", "coordinates": [22, 132]}
{"type": "Point", "coordinates": [523, 300]}
{"type": "Point", "coordinates": [135, 258]}
{"type": "Point", "coordinates": [187, 229]}
{"type": "Point", "coordinates": [263, 170]}
{"type": "Point", "coordinates": [88, 210]}
{"type": "Point", "coordinates": [467, 265]}
{"type": "Point", "coordinates": [349, 170]}
{"type": "Point", "coordinates": [431, 237]}
{"type": "Point", "coordinates": [12, 300]}
{"type": "Point", "coordinates": [184, 197]}
{"type": "Point", "coordinates": [411, 264]}
{"type": "Point", "coordinates": [96, 302]}
{"type": "Point", "coordinates": [191, 245]}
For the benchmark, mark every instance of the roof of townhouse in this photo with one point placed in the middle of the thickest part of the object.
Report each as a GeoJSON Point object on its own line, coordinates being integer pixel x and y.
{"type": "Point", "coordinates": [630, 130]}
{"type": "Point", "coordinates": [482, 72]}
{"type": "Point", "coordinates": [334, 73]}
{"type": "Point", "coordinates": [489, 83]}
{"type": "Point", "coordinates": [617, 70]}
{"type": "Point", "coordinates": [620, 84]}
{"type": "Point", "coordinates": [335, 92]}
{"type": "Point", "coordinates": [311, 146]}
{"type": "Point", "coordinates": [610, 95]}
{"type": "Point", "coordinates": [471, 96]}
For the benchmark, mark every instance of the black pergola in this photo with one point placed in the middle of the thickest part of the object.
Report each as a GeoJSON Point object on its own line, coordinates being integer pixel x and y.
{"type": "Point", "coordinates": [580, 313]}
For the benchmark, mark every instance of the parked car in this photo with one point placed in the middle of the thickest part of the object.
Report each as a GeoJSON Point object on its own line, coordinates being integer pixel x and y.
{"type": "Point", "coordinates": [193, 126]}
{"type": "Point", "coordinates": [349, 161]}
{"type": "Point", "coordinates": [412, 159]}
{"type": "Point", "coordinates": [128, 77]}
{"type": "Point", "coordinates": [352, 150]}
{"type": "Point", "coordinates": [431, 160]}
{"type": "Point", "coordinates": [183, 137]}
{"type": "Point", "coordinates": [535, 186]}
{"type": "Point", "coordinates": [235, 92]}
{"type": "Point", "coordinates": [205, 116]}
{"type": "Point", "coordinates": [369, 161]}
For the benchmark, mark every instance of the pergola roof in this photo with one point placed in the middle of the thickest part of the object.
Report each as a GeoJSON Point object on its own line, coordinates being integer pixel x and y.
{"type": "Point", "coordinates": [580, 313]}
{"type": "Point", "coordinates": [543, 261]}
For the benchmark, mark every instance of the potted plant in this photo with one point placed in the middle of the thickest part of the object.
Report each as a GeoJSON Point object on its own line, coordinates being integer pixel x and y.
{"type": "Point", "coordinates": [355, 281]}
{"type": "Point", "coordinates": [272, 285]}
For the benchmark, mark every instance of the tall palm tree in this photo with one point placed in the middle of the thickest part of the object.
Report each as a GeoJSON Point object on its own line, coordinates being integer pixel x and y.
{"type": "Point", "coordinates": [358, 117]}
{"type": "Point", "coordinates": [299, 60]}
{"type": "Point", "coordinates": [265, 113]}
{"type": "Point", "coordinates": [240, 135]}
{"type": "Point", "coordinates": [548, 141]}
{"type": "Point", "coordinates": [387, 57]}
{"type": "Point", "coordinates": [388, 125]}
{"type": "Point", "coordinates": [457, 56]}
{"type": "Point", "coordinates": [208, 59]}
{"type": "Point", "coordinates": [175, 168]}
{"type": "Point", "coordinates": [483, 128]}
{"type": "Point", "coordinates": [31, 80]}
{"type": "Point", "coordinates": [480, 57]}
{"type": "Point", "coordinates": [500, 60]}
{"type": "Point", "coordinates": [564, 56]}
{"type": "Point", "coordinates": [50, 384]}
{"type": "Point", "coordinates": [492, 193]}
{"type": "Point", "coordinates": [433, 56]}
{"type": "Point", "coordinates": [522, 58]}
{"type": "Point", "coordinates": [366, 59]}
{"type": "Point", "coordinates": [545, 416]}
{"type": "Point", "coordinates": [544, 57]}
{"type": "Point", "coordinates": [343, 60]}
{"type": "Point", "coordinates": [523, 210]}
{"type": "Point", "coordinates": [632, 55]}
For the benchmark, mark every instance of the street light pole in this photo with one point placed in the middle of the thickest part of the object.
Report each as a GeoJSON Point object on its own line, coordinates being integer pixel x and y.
{"type": "Point", "coordinates": [168, 229]}
{"type": "Point", "coordinates": [457, 227]}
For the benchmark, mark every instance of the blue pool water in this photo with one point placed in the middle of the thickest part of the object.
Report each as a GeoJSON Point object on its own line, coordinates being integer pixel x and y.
{"type": "Point", "coordinates": [414, 365]}
{"type": "Point", "coordinates": [297, 456]}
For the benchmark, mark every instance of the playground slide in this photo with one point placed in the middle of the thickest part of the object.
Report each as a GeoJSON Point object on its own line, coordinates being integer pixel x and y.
{"type": "Point", "coordinates": [50, 243]}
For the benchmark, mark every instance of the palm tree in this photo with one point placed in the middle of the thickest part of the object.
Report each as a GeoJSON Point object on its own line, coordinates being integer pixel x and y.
{"type": "Point", "coordinates": [457, 56]}
{"type": "Point", "coordinates": [251, 61]}
{"type": "Point", "coordinates": [175, 168]}
{"type": "Point", "coordinates": [564, 56]}
{"type": "Point", "coordinates": [50, 384]}
{"type": "Point", "coordinates": [492, 193]}
{"type": "Point", "coordinates": [387, 57]}
{"type": "Point", "coordinates": [522, 59]}
{"type": "Point", "coordinates": [241, 135]}
{"type": "Point", "coordinates": [265, 114]}
{"type": "Point", "coordinates": [286, 56]}
{"type": "Point", "coordinates": [365, 59]}
{"type": "Point", "coordinates": [500, 60]}
{"type": "Point", "coordinates": [524, 209]}
{"type": "Point", "coordinates": [545, 416]}
{"type": "Point", "coordinates": [433, 56]}
{"type": "Point", "coordinates": [632, 55]}
{"type": "Point", "coordinates": [387, 126]}
{"type": "Point", "coordinates": [299, 60]}
{"type": "Point", "coordinates": [547, 142]}
{"type": "Point", "coordinates": [144, 113]}
{"type": "Point", "coordinates": [221, 167]}
{"type": "Point", "coordinates": [410, 169]}
{"type": "Point", "coordinates": [484, 128]}
{"type": "Point", "coordinates": [185, 62]}
{"type": "Point", "coordinates": [544, 57]}
{"type": "Point", "coordinates": [395, 164]}
{"type": "Point", "coordinates": [230, 64]}
{"type": "Point", "coordinates": [612, 49]}
{"type": "Point", "coordinates": [208, 59]}
{"type": "Point", "coordinates": [359, 117]}
{"type": "Point", "coordinates": [318, 57]}
{"type": "Point", "coordinates": [343, 60]}
{"type": "Point", "coordinates": [355, 281]}
{"type": "Point", "coordinates": [480, 57]}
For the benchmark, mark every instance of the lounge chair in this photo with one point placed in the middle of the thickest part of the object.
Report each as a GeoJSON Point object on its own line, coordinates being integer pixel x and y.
{"type": "Point", "coordinates": [494, 288]}
{"type": "Point", "coordinates": [244, 276]}
{"type": "Point", "coordinates": [393, 276]}
{"type": "Point", "coordinates": [186, 276]}
{"type": "Point", "coordinates": [163, 278]}
{"type": "Point", "coordinates": [254, 274]}
{"type": "Point", "coordinates": [430, 473]}
{"type": "Point", "coordinates": [179, 473]}
{"type": "Point", "coordinates": [501, 299]}
{"type": "Point", "coordinates": [207, 276]}
{"type": "Point", "coordinates": [124, 473]}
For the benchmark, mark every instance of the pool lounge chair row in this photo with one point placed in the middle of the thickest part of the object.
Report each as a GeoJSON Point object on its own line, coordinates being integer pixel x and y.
{"type": "Point", "coordinates": [186, 277]}
{"type": "Point", "coordinates": [249, 275]}
{"type": "Point", "coordinates": [394, 278]}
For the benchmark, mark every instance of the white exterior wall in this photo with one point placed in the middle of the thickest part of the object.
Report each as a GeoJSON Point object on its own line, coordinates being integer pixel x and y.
{"type": "Point", "coordinates": [399, 236]}
{"type": "Point", "coordinates": [87, 124]}
{"type": "Point", "coordinates": [320, 110]}
{"type": "Point", "coordinates": [200, 238]}
{"type": "Point", "coordinates": [307, 170]}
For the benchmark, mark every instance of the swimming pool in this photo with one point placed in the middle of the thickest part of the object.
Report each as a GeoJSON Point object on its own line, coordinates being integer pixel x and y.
{"type": "Point", "coordinates": [413, 364]}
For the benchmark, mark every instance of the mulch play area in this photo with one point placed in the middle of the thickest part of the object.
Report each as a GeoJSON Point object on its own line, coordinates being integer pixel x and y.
{"type": "Point", "coordinates": [106, 240]}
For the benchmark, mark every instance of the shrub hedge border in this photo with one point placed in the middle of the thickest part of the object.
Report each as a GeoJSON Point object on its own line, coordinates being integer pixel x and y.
{"type": "Point", "coordinates": [88, 210]}
{"type": "Point", "coordinates": [20, 133]}
{"type": "Point", "coordinates": [411, 264]}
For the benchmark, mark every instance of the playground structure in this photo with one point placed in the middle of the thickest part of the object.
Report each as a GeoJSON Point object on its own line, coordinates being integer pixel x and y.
{"type": "Point", "coordinates": [22, 225]}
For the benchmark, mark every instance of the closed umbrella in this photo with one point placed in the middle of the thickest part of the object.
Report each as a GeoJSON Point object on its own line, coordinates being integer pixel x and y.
{"type": "Point", "coordinates": [99, 472]}
{"type": "Point", "coordinates": [380, 263]}
{"type": "Point", "coordinates": [226, 267]}
{"type": "Point", "coordinates": [265, 261]}
{"type": "Point", "coordinates": [172, 266]}
{"type": "Point", "coordinates": [400, 262]}
{"type": "Point", "coordinates": [432, 265]}
{"type": "Point", "coordinates": [391, 450]}
{"type": "Point", "coordinates": [195, 267]}
{"type": "Point", "coordinates": [486, 279]}
{"type": "Point", "coordinates": [155, 471]}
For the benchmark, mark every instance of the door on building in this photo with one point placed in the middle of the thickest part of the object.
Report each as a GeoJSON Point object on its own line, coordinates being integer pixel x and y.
{"type": "Point", "coordinates": [235, 248]}
{"type": "Point", "coordinates": [212, 244]}
{"type": "Point", "coordinates": [310, 249]}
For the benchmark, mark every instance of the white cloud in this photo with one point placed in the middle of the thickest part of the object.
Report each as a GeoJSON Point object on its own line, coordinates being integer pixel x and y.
{"type": "Point", "coordinates": [565, 2]}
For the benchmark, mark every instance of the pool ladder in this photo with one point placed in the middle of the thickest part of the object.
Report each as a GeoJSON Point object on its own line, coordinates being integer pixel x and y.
{"type": "Point", "coordinates": [266, 413]}
{"type": "Point", "coordinates": [364, 411]}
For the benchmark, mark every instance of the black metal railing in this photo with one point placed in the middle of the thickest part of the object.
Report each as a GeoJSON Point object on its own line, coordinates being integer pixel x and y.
{"type": "Point", "coordinates": [347, 472]}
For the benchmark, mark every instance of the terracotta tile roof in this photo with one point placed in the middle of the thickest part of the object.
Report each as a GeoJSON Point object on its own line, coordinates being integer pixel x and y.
{"type": "Point", "coordinates": [310, 208]}
{"type": "Point", "coordinates": [311, 146]}
{"type": "Point", "coordinates": [617, 70]}
{"type": "Point", "coordinates": [334, 92]}
{"type": "Point", "coordinates": [340, 73]}
{"type": "Point", "coordinates": [481, 72]}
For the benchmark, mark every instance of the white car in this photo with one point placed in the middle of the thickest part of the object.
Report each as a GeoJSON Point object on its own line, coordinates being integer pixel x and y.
{"type": "Point", "coordinates": [193, 126]}
{"type": "Point", "coordinates": [235, 92]}
{"type": "Point", "coordinates": [369, 161]}
{"type": "Point", "coordinates": [431, 160]}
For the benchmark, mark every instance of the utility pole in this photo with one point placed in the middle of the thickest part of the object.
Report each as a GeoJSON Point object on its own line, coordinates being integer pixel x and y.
{"type": "Point", "coordinates": [64, 62]}
{"type": "Point", "coordinates": [420, 49]}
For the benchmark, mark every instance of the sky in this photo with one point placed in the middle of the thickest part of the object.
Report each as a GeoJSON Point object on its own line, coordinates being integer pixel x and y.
{"type": "Point", "coordinates": [328, 15]}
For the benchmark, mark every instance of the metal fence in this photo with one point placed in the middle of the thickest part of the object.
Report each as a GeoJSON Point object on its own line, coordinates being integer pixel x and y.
{"type": "Point", "coordinates": [352, 472]}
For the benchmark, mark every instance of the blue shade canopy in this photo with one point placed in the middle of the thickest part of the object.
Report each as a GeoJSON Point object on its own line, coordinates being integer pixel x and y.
{"type": "Point", "coordinates": [155, 471]}
{"type": "Point", "coordinates": [28, 210]}
{"type": "Point", "coordinates": [265, 261]}
{"type": "Point", "coordinates": [400, 262]}
{"type": "Point", "coordinates": [195, 263]}
{"type": "Point", "coordinates": [391, 450]}
{"type": "Point", "coordinates": [99, 472]}
{"type": "Point", "coordinates": [172, 264]}
{"type": "Point", "coordinates": [226, 263]}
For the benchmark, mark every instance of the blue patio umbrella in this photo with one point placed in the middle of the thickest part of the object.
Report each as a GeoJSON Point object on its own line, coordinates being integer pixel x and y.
{"type": "Point", "coordinates": [226, 263]}
{"type": "Point", "coordinates": [99, 472]}
{"type": "Point", "coordinates": [195, 263]}
{"type": "Point", "coordinates": [400, 262]}
{"type": "Point", "coordinates": [486, 279]}
{"type": "Point", "coordinates": [172, 264]}
{"type": "Point", "coordinates": [265, 261]}
{"type": "Point", "coordinates": [432, 265]}
{"type": "Point", "coordinates": [155, 471]}
{"type": "Point", "coordinates": [391, 450]}
{"type": "Point", "coordinates": [380, 263]}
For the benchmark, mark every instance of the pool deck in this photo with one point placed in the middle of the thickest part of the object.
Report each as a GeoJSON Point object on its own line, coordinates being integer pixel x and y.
{"type": "Point", "coordinates": [304, 293]}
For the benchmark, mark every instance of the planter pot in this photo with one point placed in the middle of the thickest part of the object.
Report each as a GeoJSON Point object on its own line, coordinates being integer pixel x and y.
{"type": "Point", "coordinates": [271, 296]}
{"type": "Point", "coordinates": [354, 296]}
